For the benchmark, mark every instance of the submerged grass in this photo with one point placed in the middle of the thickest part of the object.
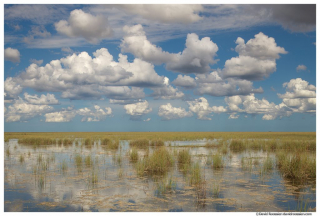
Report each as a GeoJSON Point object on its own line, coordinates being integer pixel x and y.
{"type": "Point", "coordinates": [166, 185]}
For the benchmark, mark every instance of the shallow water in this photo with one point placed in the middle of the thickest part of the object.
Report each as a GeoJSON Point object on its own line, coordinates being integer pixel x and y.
{"type": "Point", "coordinates": [48, 179]}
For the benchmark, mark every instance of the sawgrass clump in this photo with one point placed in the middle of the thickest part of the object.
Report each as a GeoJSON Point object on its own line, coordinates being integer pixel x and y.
{"type": "Point", "coordinates": [140, 143]}
{"type": "Point", "coordinates": [158, 163]}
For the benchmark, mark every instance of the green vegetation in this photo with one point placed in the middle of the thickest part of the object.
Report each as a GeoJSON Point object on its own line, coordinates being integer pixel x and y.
{"type": "Point", "coordinates": [88, 161]}
{"type": "Point", "coordinates": [64, 166]}
{"type": "Point", "coordinates": [184, 157]}
{"type": "Point", "coordinates": [195, 174]}
{"type": "Point", "coordinates": [21, 158]}
{"type": "Point", "coordinates": [158, 163]}
{"type": "Point", "coordinates": [166, 185]}
{"type": "Point", "coordinates": [141, 143]}
{"type": "Point", "coordinates": [296, 166]}
{"type": "Point", "coordinates": [217, 161]}
{"type": "Point", "coordinates": [105, 141]}
{"type": "Point", "coordinates": [237, 145]}
{"type": "Point", "coordinates": [216, 189]}
{"type": "Point", "coordinates": [134, 157]}
{"type": "Point", "coordinates": [157, 142]}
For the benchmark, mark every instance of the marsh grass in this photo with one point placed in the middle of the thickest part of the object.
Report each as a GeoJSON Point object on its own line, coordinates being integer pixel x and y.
{"type": "Point", "coordinates": [217, 161]}
{"type": "Point", "coordinates": [40, 158]}
{"type": "Point", "coordinates": [158, 163]}
{"type": "Point", "coordinates": [166, 185]}
{"type": "Point", "coordinates": [120, 173]}
{"type": "Point", "coordinates": [296, 166]}
{"type": "Point", "coordinates": [134, 156]}
{"type": "Point", "coordinates": [195, 174]}
{"type": "Point", "coordinates": [88, 161]}
{"type": "Point", "coordinates": [78, 162]}
{"type": "Point", "coordinates": [21, 158]}
{"type": "Point", "coordinates": [140, 143]}
{"type": "Point", "coordinates": [8, 152]}
{"type": "Point", "coordinates": [247, 164]}
{"type": "Point", "coordinates": [216, 189]}
{"type": "Point", "coordinates": [94, 178]}
{"type": "Point", "coordinates": [114, 144]}
{"type": "Point", "coordinates": [237, 145]}
{"type": "Point", "coordinates": [184, 157]}
{"type": "Point", "coordinates": [157, 142]}
{"type": "Point", "coordinates": [105, 141]}
{"type": "Point", "coordinates": [302, 205]}
{"type": "Point", "coordinates": [63, 166]}
{"type": "Point", "coordinates": [87, 142]}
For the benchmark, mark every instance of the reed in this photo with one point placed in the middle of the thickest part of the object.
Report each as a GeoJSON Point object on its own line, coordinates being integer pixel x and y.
{"type": "Point", "coordinates": [158, 163]}
{"type": "Point", "coordinates": [134, 157]}
{"type": "Point", "coordinates": [140, 143]}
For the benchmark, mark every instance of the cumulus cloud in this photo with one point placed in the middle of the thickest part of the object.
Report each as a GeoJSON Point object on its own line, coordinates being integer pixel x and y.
{"type": "Point", "coordinates": [256, 60]}
{"type": "Point", "coordinates": [169, 13]}
{"type": "Point", "coordinates": [81, 24]}
{"type": "Point", "coordinates": [251, 105]}
{"type": "Point", "coordinates": [80, 76]}
{"type": "Point", "coordinates": [166, 92]}
{"type": "Point", "coordinates": [12, 55]}
{"type": "Point", "coordinates": [300, 96]}
{"type": "Point", "coordinates": [37, 62]}
{"type": "Point", "coordinates": [212, 84]}
{"type": "Point", "coordinates": [185, 81]}
{"type": "Point", "coordinates": [202, 109]}
{"type": "Point", "coordinates": [61, 116]}
{"type": "Point", "coordinates": [48, 99]}
{"type": "Point", "coordinates": [298, 88]}
{"type": "Point", "coordinates": [195, 58]}
{"type": "Point", "coordinates": [66, 49]}
{"type": "Point", "coordinates": [97, 114]}
{"type": "Point", "coordinates": [11, 88]}
{"type": "Point", "coordinates": [301, 68]}
{"type": "Point", "coordinates": [137, 110]}
{"type": "Point", "coordinates": [22, 110]}
{"type": "Point", "coordinates": [168, 112]}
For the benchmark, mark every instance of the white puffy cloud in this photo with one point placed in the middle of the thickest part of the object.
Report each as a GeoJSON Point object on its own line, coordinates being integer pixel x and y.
{"type": "Point", "coordinates": [146, 120]}
{"type": "Point", "coordinates": [137, 110]}
{"type": "Point", "coordinates": [256, 60]}
{"type": "Point", "coordinates": [168, 112]}
{"type": "Point", "coordinates": [48, 99]}
{"type": "Point", "coordinates": [233, 116]}
{"type": "Point", "coordinates": [166, 13]}
{"type": "Point", "coordinates": [21, 110]}
{"type": "Point", "coordinates": [195, 58]}
{"type": "Point", "coordinates": [166, 92]}
{"type": "Point", "coordinates": [61, 116]}
{"type": "Point", "coordinates": [35, 61]}
{"type": "Point", "coordinates": [202, 109]}
{"type": "Point", "coordinates": [298, 88]}
{"type": "Point", "coordinates": [261, 47]}
{"type": "Point", "coordinates": [301, 67]}
{"type": "Point", "coordinates": [81, 24]}
{"type": "Point", "coordinates": [251, 105]}
{"type": "Point", "coordinates": [135, 41]}
{"type": "Point", "coordinates": [97, 114]}
{"type": "Point", "coordinates": [300, 96]}
{"type": "Point", "coordinates": [81, 76]}
{"type": "Point", "coordinates": [185, 81]}
{"type": "Point", "coordinates": [11, 88]}
{"type": "Point", "coordinates": [12, 55]}
{"type": "Point", "coordinates": [212, 84]}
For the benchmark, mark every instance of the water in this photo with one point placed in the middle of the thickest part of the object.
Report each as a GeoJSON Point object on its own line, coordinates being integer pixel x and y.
{"type": "Point", "coordinates": [40, 183]}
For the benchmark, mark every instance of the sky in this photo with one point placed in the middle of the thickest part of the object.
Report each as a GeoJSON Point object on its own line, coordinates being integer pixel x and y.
{"type": "Point", "coordinates": [159, 68]}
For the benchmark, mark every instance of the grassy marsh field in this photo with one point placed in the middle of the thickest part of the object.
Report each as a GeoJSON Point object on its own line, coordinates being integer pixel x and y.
{"type": "Point", "coordinates": [160, 171]}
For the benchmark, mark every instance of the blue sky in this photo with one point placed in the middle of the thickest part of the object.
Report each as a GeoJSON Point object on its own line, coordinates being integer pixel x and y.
{"type": "Point", "coordinates": [159, 68]}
